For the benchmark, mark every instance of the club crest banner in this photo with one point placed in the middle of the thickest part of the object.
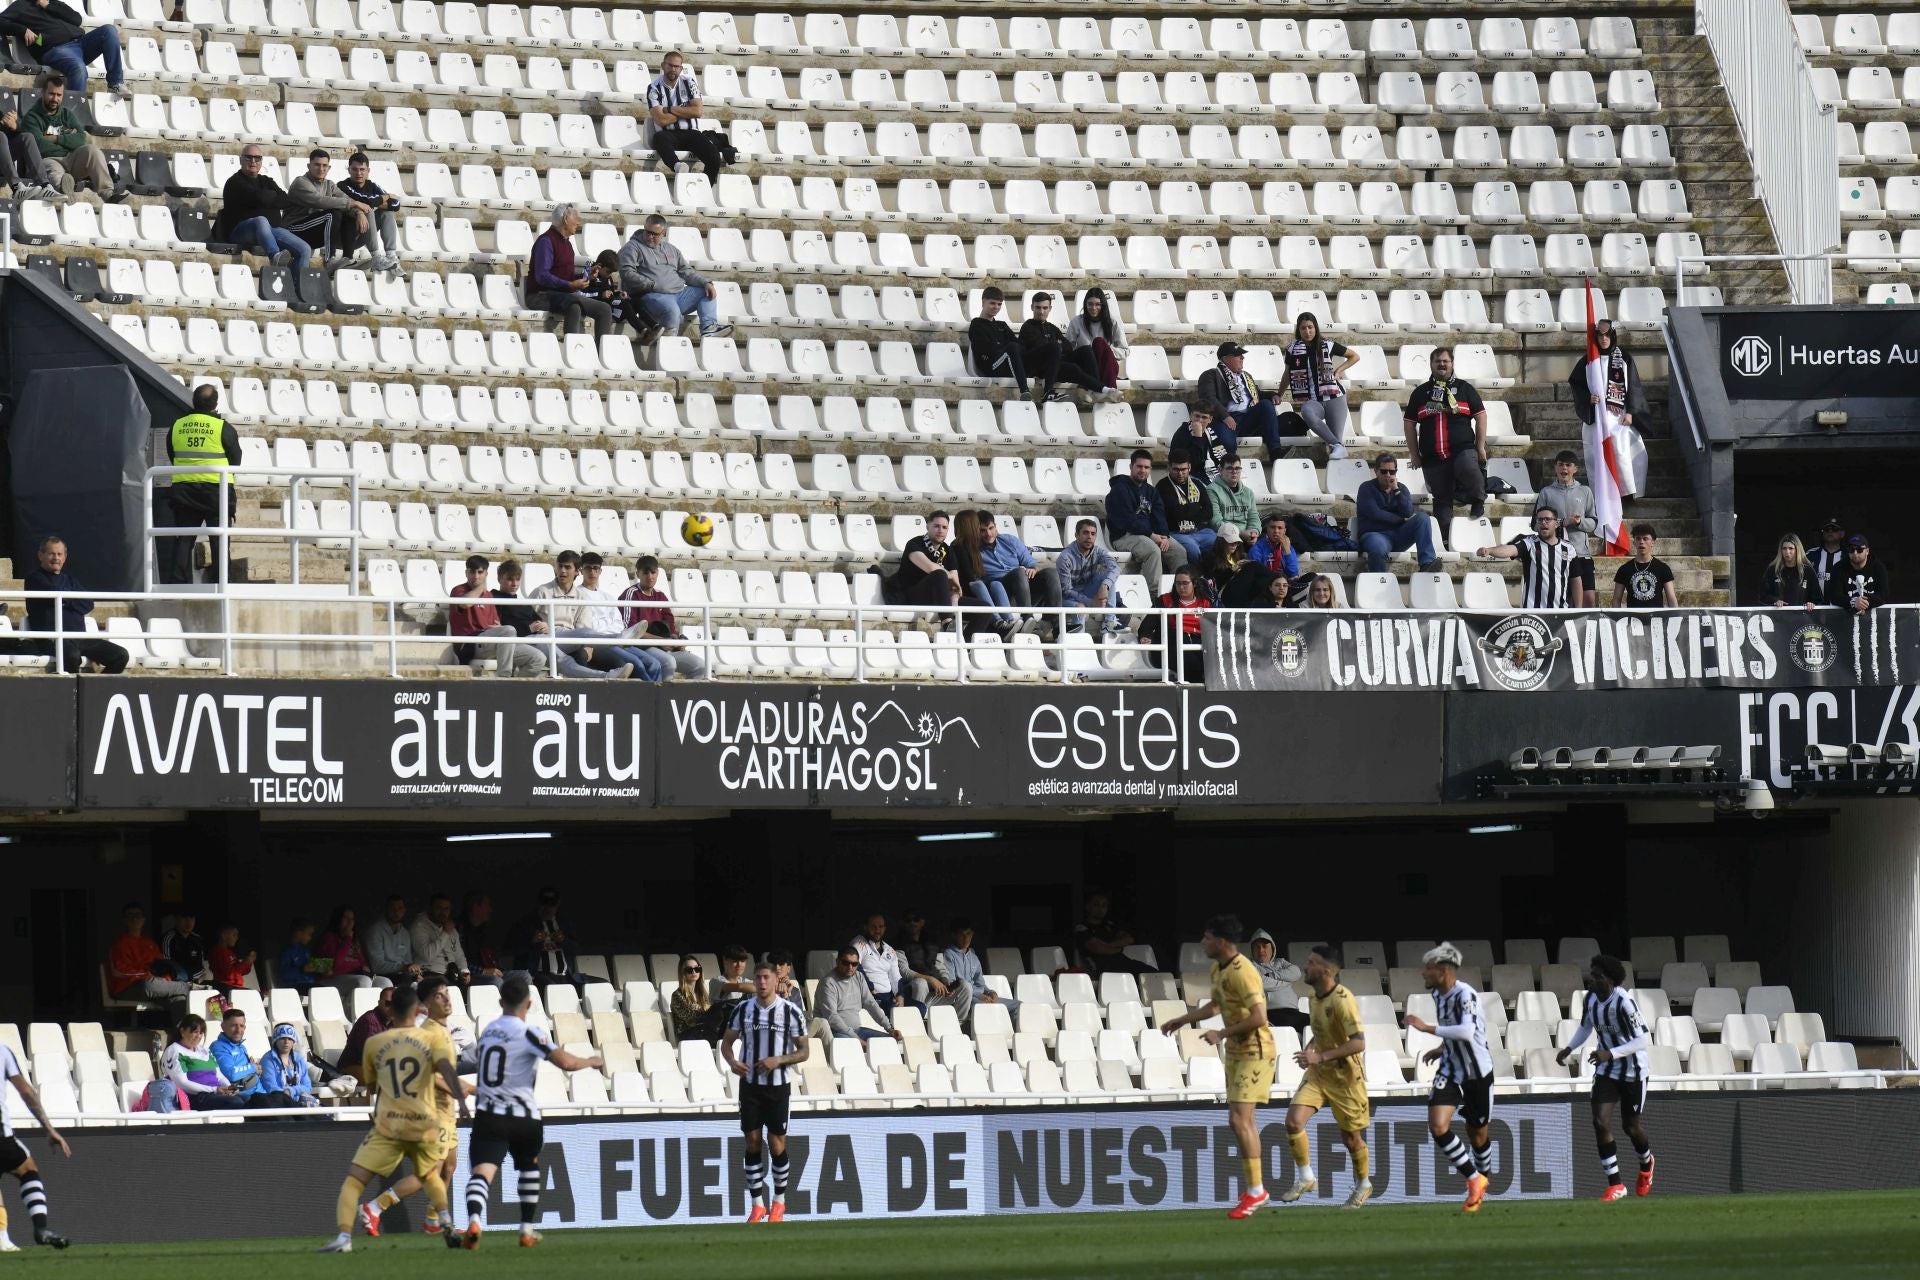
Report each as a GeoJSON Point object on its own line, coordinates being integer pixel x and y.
{"type": "Point", "coordinates": [1556, 651]}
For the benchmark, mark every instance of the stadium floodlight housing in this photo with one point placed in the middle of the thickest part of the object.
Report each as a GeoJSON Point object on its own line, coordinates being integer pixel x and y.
{"type": "Point", "coordinates": [1592, 757]}
{"type": "Point", "coordinates": [1525, 760]}
{"type": "Point", "coordinates": [1897, 753]}
{"type": "Point", "coordinates": [1627, 758]}
{"type": "Point", "coordinates": [1759, 797]}
{"type": "Point", "coordinates": [1698, 755]}
{"type": "Point", "coordinates": [1821, 755]}
{"type": "Point", "coordinates": [1863, 753]}
{"type": "Point", "coordinates": [1557, 758]}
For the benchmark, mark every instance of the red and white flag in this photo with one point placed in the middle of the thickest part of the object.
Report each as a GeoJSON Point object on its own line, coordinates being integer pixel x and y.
{"type": "Point", "coordinates": [1616, 459]}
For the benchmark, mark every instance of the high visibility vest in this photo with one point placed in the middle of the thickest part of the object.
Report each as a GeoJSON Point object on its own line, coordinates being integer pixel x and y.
{"type": "Point", "coordinates": [196, 438]}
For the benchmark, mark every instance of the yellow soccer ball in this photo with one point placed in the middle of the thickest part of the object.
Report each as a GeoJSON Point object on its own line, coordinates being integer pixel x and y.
{"type": "Point", "coordinates": [697, 530]}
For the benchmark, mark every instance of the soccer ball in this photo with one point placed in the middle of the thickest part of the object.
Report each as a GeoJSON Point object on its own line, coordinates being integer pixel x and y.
{"type": "Point", "coordinates": [697, 530]}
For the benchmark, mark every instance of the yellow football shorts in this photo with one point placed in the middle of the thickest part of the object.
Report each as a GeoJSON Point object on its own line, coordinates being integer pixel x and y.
{"type": "Point", "coordinates": [1249, 1079]}
{"type": "Point", "coordinates": [381, 1155]}
{"type": "Point", "coordinates": [1346, 1096]}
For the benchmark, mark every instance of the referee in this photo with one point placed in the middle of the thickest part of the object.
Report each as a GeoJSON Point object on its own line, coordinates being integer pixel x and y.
{"type": "Point", "coordinates": [774, 1032]}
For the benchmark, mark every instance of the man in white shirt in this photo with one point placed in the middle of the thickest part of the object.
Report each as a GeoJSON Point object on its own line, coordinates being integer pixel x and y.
{"type": "Point", "coordinates": [568, 622]}
{"type": "Point", "coordinates": [436, 942]}
{"type": "Point", "coordinates": [389, 944]}
{"type": "Point", "coordinates": [603, 618]}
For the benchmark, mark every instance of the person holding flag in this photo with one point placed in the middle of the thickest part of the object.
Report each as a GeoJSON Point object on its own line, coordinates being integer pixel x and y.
{"type": "Point", "coordinates": [1609, 396]}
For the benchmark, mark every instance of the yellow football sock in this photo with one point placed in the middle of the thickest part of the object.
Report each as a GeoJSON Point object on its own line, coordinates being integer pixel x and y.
{"type": "Point", "coordinates": [347, 1207]}
{"type": "Point", "coordinates": [437, 1193]}
{"type": "Point", "coordinates": [1361, 1161]}
{"type": "Point", "coordinates": [1255, 1177]}
{"type": "Point", "coordinates": [1302, 1158]}
{"type": "Point", "coordinates": [3, 1218]}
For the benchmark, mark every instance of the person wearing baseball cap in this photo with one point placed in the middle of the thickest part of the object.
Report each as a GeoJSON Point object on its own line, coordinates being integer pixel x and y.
{"type": "Point", "coordinates": [1830, 556]}
{"type": "Point", "coordinates": [1245, 410]}
{"type": "Point", "coordinates": [1861, 583]}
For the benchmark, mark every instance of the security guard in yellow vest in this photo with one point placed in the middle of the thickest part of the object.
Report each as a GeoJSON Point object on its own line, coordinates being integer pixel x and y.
{"type": "Point", "coordinates": [199, 437]}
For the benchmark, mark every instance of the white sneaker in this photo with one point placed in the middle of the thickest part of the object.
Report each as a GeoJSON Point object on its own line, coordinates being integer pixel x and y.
{"type": "Point", "coordinates": [342, 1243]}
{"type": "Point", "coordinates": [1362, 1192]}
{"type": "Point", "coordinates": [1337, 452]}
{"type": "Point", "coordinates": [1300, 1187]}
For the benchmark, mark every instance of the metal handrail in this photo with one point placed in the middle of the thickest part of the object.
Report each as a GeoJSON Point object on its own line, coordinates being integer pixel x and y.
{"type": "Point", "coordinates": [221, 535]}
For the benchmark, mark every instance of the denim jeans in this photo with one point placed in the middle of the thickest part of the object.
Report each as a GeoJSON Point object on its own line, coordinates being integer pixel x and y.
{"type": "Point", "coordinates": [71, 58]}
{"type": "Point", "coordinates": [648, 664]}
{"type": "Point", "coordinates": [1416, 533]}
{"type": "Point", "coordinates": [669, 310]}
{"type": "Point", "coordinates": [991, 591]}
{"type": "Point", "coordinates": [269, 239]}
{"type": "Point", "coordinates": [1078, 621]}
{"type": "Point", "coordinates": [1197, 543]}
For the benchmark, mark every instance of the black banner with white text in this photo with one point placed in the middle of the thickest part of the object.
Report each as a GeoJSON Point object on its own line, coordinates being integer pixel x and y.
{"type": "Point", "coordinates": [1560, 651]}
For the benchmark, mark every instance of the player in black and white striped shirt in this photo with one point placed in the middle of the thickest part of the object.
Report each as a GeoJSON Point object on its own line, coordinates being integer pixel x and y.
{"type": "Point", "coordinates": [506, 1112]}
{"type": "Point", "coordinates": [1464, 1080]}
{"type": "Point", "coordinates": [765, 1036]}
{"type": "Point", "coordinates": [1546, 562]}
{"type": "Point", "coordinates": [1620, 1072]}
{"type": "Point", "coordinates": [18, 1161]}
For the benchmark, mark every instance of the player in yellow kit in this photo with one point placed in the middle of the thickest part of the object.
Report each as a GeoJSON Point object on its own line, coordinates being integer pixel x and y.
{"type": "Point", "coordinates": [402, 1066]}
{"type": "Point", "coordinates": [1241, 1001]}
{"type": "Point", "coordinates": [1336, 1078]}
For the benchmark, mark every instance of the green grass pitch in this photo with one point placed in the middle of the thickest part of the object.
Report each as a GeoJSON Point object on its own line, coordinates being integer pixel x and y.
{"type": "Point", "coordinates": [1834, 1234]}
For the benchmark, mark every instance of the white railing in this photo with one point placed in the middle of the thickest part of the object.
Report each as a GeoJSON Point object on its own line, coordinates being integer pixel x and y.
{"type": "Point", "coordinates": [1788, 130]}
{"type": "Point", "coordinates": [220, 536]}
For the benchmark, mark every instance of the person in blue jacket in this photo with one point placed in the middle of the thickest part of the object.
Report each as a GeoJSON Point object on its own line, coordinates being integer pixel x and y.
{"type": "Point", "coordinates": [1385, 519]}
{"type": "Point", "coordinates": [284, 1070]}
{"type": "Point", "coordinates": [238, 1066]}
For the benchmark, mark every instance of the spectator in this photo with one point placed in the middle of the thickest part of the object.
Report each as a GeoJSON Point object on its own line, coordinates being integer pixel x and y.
{"type": "Point", "coordinates": [22, 172]}
{"type": "Point", "coordinates": [1254, 586]}
{"type": "Point", "coordinates": [1185, 597]}
{"type": "Point", "coordinates": [436, 943]}
{"type": "Point", "coordinates": [1233, 502]}
{"type": "Point", "coordinates": [238, 1066]}
{"type": "Point", "coordinates": [959, 966]}
{"type": "Point", "coordinates": [389, 944]}
{"type": "Point", "coordinates": [1385, 520]}
{"type": "Point", "coordinates": [381, 237]}
{"type": "Point", "coordinates": [1313, 382]}
{"type": "Point", "coordinates": [1049, 358]}
{"type": "Point", "coordinates": [187, 949]}
{"type": "Point", "coordinates": [881, 964]}
{"type": "Point", "coordinates": [1625, 395]}
{"type": "Point", "coordinates": [732, 986]}
{"type": "Point", "coordinates": [136, 967]}
{"type": "Point", "coordinates": [568, 618]}
{"type": "Point", "coordinates": [1644, 582]}
{"type": "Point", "coordinates": [603, 285]}
{"type": "Point", "coordinates": [476, 939]}
{"type": "Point", "coordinates": [1020, 579]}
{"type": "Point", "coordinates": [970, 565]}
{"type": "Point", "coordinates": [1189, 512]}
{"type": "Point", "coordinates": [926, 576]}
{"type": "Point", "coordinates": [67, 156]}
{"type": "Point", "coordinates": [926, 985]}
{"type": "Point", "coordinates": [75, 647]}
{"type": "Point", "coordinates": [1862, 584]}
{"type": "Point", "coordinates": [1203, 440]}
{"type": "Point", "coordinates": [555, 283]}
{"type": "Point", "coordinates": [1573, 503]}
{"type": "Point", "coordinates": [1137, 521]}
{"type": "Point", "coordinates": [649, 618]}
{"type": "Point", "coordinates": [526, 621]}
{"type": "Point", "coordinates": [253, 213]}
{"type": "Point", "coordinates": [1830, 557]}
{"type": "Point", "coordinates": [204, 440]}
{"type": "Point", "coordinates": [691, 1004]}
{"type": "Point", "coordinates": [1320, 593]}
{"type": "Point", "coordinates": [785, 985]}
{"type": "Point", "coordinates": [1446, 426]}
{"type": "Point", "coordinates": [284, 1070]}
{"type": "Point", "coordinates": [601, 618]}
{"type": "Point", "coordinates": [347, 219]}
{"type": "Point", "coordinates": [551, 953]}
{"type": "Point", "coordinates": [1087, 575]}
{"type": "Point", "coordinates": [1222, 563]}
{"type": "Point", "coordinates": [483, 620]}
{"type": "Point", "coordinates": [365, 1027]}
{"type": "Point", "coordinates": [1273, 549]}
{"type": "Point", "coordinates": [52, 34]}
{"type": "Point", "coordinates": [995, 346]}
{"type": "Point", "coordinates": [189, 1065]}
{"type": "Point", "coordinates": [1240, 407]}
{"type": "Point", "coordinates": [230, 965]}
{"type": "Point", "coordinates": [674, 109]}
{"type": "Point", "coordinates": [1546, 562]}
{"type": "Point", "coordinates": [842, 996]}
{"type": "Point", "coordinates": [667, 291]}
{"type": "Point", "coordinates": [1788, 580]}
{"type": "Point", "coordinates": [340, 948]}
{"type": "Point", "coordinates": [1277, 976]}
{"type": "Point", "coordinates": [1099, 330]}
{"type": "Point", "coordinates": [296, 966]}
{"type": "Point", "coordinates": [1100, 943]}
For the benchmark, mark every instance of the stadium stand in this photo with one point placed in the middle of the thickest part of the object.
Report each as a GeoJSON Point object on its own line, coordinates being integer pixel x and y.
{"type": "Point", "coordinates": [1409, 180]}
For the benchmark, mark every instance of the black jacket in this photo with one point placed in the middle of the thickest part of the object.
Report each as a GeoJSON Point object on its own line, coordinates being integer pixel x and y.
{"type": "Point", "coordinates": [1583, 394]}
{"type": "Point", "coordinates": [55, 25]}
{"type": "Point", "coordinates": [988, 338]}
{"type": "Point", "coordinates": [520, 617]}
{"type": "Point", "coordinates": [1796, 586]}
{"type": "Point", "coordinates": [248, 196]}
{"type": "Point", "coordinates": [1843, 587]}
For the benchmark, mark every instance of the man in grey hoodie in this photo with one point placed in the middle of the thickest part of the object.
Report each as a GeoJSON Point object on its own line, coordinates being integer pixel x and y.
{"type": "Point", "coordinates": [1573, 503]}
{"type": "Point", "coordinates": [314, 191]}
{"type": "Point", "coordinates": [1277, 975]}
{"type": "Point", "coordinates": [656, 273]}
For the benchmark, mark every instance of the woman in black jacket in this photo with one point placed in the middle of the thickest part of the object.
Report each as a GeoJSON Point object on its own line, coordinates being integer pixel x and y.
{"type": "Point", "coordinates": [1789, 580]}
